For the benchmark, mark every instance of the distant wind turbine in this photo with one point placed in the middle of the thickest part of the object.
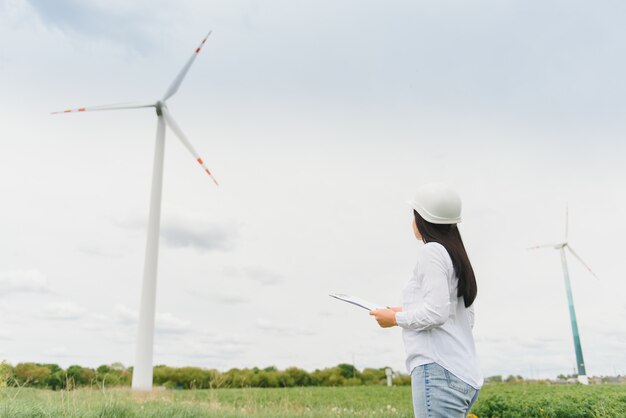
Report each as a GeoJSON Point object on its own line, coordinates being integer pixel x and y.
{"type": "Point", "coordinates": [142, 371]}
{"type": "Point", "coordinates": [561, 246]}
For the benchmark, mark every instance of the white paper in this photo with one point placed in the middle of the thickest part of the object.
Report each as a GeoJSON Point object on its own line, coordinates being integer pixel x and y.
{"type": "Point", "coordinates": [362, 303]}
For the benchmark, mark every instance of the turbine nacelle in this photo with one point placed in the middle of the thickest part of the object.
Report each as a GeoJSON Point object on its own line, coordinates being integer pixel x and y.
{"type": "Point", "coordinates": [158, 106]}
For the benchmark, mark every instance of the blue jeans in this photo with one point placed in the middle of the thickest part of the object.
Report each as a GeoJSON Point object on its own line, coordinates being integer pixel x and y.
{"type": "Point", "coordinates": [437, 393]}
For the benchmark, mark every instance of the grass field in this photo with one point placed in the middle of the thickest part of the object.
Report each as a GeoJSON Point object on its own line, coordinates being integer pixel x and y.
{"type": "Point", "coordinates": [496, 400]}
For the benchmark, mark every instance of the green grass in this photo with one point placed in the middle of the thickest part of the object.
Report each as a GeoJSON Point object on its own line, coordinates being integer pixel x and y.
{"type": "Point", "coordinates": [553, 401]}
{"type": "Point", "coordinates": [496, 400]}
{"type": "Point", "coordinates": [362, 401]}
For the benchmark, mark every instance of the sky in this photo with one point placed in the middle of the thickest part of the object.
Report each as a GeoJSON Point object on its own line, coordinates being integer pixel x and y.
{"type": "Point", "coordinates": [319, 119]}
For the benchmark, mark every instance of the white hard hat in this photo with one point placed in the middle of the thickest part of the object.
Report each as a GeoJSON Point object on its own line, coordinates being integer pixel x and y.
{"type": "Point", "coordinates": [437, 203]}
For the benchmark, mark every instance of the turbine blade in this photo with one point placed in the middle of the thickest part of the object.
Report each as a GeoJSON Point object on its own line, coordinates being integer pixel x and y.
{"type": "Point", "coordinates": [541, 246]}
{"type": "Point", "coordinates": [106, 107]}
{"type": "Point", "coordinates": [179, 133]}
{"type": "Point", "coordinates": [181, 76]}
{"type": "Point", "coordinates": [571, 250]}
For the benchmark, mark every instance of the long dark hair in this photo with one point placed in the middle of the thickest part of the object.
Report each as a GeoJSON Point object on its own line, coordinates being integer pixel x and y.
{"type": "Point", "coordinates": [449, 236]}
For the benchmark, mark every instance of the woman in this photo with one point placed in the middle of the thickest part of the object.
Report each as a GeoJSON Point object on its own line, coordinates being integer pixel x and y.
{"type": "Point", "coordinates": [437, 313]}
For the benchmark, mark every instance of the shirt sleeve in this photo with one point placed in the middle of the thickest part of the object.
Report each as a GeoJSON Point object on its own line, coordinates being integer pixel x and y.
{"type": "Point", "coordinates": [434, 311]}
{"type": "Point", "coordinates": [470, 314]}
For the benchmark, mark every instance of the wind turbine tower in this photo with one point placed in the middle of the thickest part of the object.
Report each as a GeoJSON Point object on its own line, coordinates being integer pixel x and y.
{"type": "Point", "coordinates": [562, 246]}
{"type": "Point", "coordinates": [142, 371]}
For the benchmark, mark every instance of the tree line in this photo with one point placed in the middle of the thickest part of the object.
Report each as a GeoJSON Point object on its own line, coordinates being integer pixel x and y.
{"type": "Point", "coordinates": [52, 376]}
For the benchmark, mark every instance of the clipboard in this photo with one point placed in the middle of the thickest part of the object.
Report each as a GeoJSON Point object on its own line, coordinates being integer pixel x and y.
{"type": "Point", "coordinates": [356, 301]}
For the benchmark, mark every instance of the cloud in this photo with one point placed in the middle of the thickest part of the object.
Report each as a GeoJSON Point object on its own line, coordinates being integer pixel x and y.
{"type": "Point", "coordinates": [189, 345]}
{"type": "Point", "coordinates": [611, 335]}
{"type": "Point", "coordinates": [64, 311]}
{"type": "Point", "coordinates": [219, 298]}
{"type": "Point", "coordinates": [202, 237]}
{"type": "Point", "coordinates": [131, 223]}
{"type": "Point", "coordinates": [125, 315]}
{"type": "Point", "coordinates": [96, 250]}
{"type": "Point", "coordinates": [23, 281]}
{"type": "Point", "coordinates": [57, 352]}
{"type": "Point", "coordinates": [165, 323]}
{"type": "Point", "coordinates": [116, 21]}
{"type": "Point", "coordinates": [96, 322]}
{"type": "Point", "coordinates": [203, 346]}
{"type": "Point", "coordinates": [263, 276]}
{"type": "Point", "coordinates": [269, 327]}
{"type": "Point", "coordinates": [232, 300]}
{"type": "Point", "coordinates": [191, 232]}
{"type": "Point", "coordinates": [5, 335]}
{"type": "Point", "coordinates": [260, 275]}
{"type": "Point", "coordinates": [520, 343]}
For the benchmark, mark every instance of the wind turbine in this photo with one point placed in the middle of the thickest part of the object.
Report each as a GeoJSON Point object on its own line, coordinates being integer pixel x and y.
{"type": "Point", "coordinates": [561, 246]}
{"type": "Point", "coordinates": [142, 371]}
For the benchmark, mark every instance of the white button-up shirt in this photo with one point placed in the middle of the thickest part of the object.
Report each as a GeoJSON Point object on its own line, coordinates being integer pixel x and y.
{"type": "Point", "coordinates": [437, 327]}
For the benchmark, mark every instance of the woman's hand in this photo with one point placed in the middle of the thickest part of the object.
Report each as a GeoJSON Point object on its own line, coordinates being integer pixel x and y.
{"type": "Point", "coordinates": [386, 317]}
